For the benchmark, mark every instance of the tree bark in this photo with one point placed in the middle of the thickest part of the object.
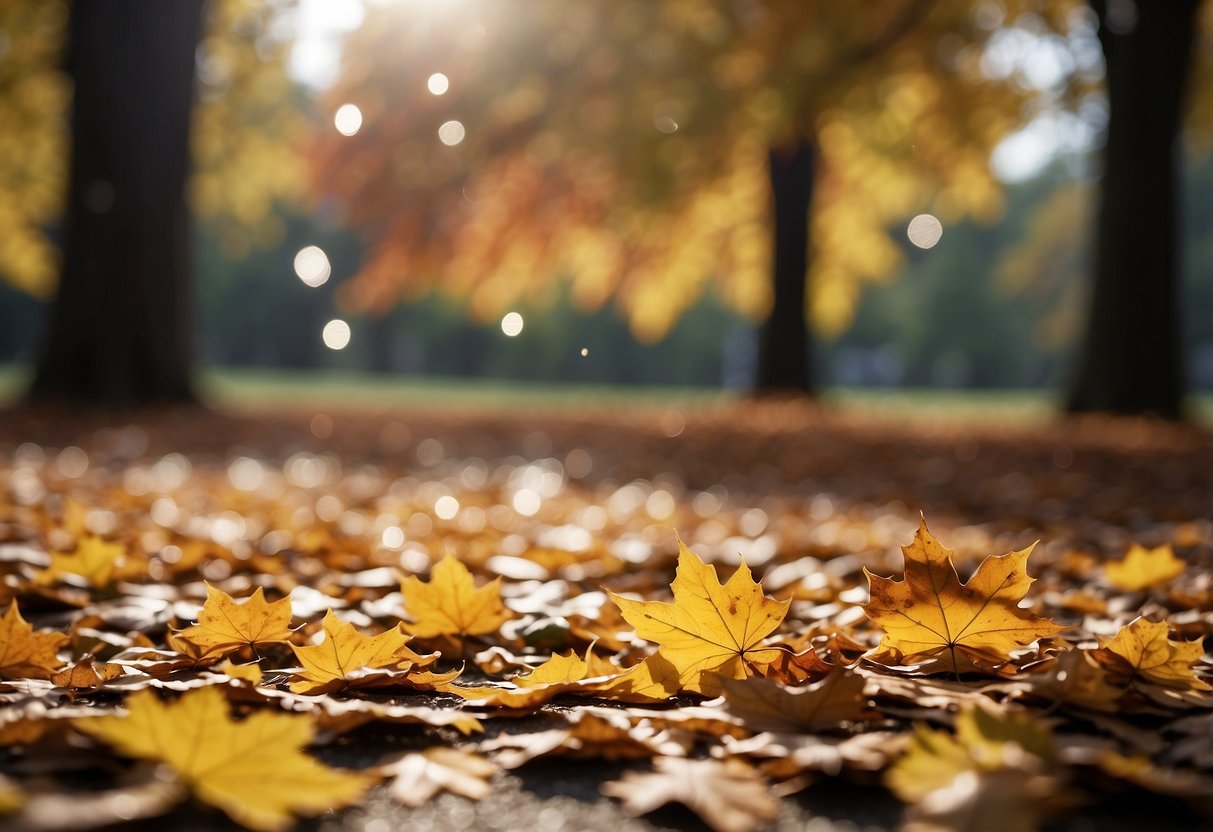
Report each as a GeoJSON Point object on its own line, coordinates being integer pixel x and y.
{"type": "Point", "coordinates": [1131, 359]}
{"type": "Point", "coordinates": [120, 327]}
{"type": "Point", "coordinates": [783, 341]}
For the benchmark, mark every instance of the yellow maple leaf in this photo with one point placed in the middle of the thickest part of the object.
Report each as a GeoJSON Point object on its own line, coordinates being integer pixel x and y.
{"type": "Point", "coordinates": [1143, 568]}
{"type": "Point", "coordinates": [1141, 648]}
{"type": "Point", "coordinates": [254, 770]}
{"type": "Point", "coordinates": [451, 604]}
{"type": "Point", "coordinates": [346, 653]}
{"type": "Point", "coordinates": [96, 560]}
{"type": "Point", "coordinates": [559, 674]}
{"type": "Point", "coordinates": [25, 654]}
{"type": "Point", "coordinates": [225, 625]}
{"type": "Point", "coordinates": [983, 734]}
{"type": "Point", "coordinates": [710, 629]}
{"type": "Point", "coordinates": [930, 611]}
{"type": "Point", "coordinates": [250, 673]}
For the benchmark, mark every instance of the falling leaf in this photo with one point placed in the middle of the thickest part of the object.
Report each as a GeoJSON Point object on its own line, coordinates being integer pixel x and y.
{"type": "Point", "coordinates": [728, 795]}
{"type": "Point", "coordinates": [419, 775]}
{"type": "Point", "coordinates": [931, 611]}
{"type": "Point", "coordinates": [823, 706]}
{"type": "Point", "coordinates": [1143, 568]}
{"type": "Point", "coordinates": [1141, 649]}
{"type": "Point", "coordinates": [226, 625]}
{"type": "Point", "coordinates": [709, 629]}
{"type": "Point", "coordinates": [345, 653]}
{"type": "Point", "coordinates": [254, 769]}
{"type": "Point", "coordinates": [86, 674]}
{"type": "Point", "coordinates": [25, 654]}
{"type": "Point", "coordinates": [451, 604]}
{"type": "Point", "coordinates": [96, 560]}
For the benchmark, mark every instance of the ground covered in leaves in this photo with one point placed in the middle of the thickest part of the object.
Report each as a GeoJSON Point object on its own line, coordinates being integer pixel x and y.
{"type": "Point", "coordinates": [764, 613]}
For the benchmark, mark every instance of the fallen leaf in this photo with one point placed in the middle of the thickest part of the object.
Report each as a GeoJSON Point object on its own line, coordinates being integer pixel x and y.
{"type": "Point", "coordinates": [254, 770]}
{"type": "Point", "coordinates": [558, 675]}
{"type": "Point", "coordinates": [346, 653]}
{"type": "Point", "coordinates": [728, 795]}
{"type": "Point", "coordinates": [86, 674]}
{"type": "Point", "coordinates": [419, 775]}
{"type": "Point", "coordinates": [996, 773]}
{"type": "Point", "coordinates": [930, 611]}
{"type": "Point", "coordinates": [226, 625]}
{"type": "Point", "coordinates": [250, 673]}
{"type": "Point", "coordinates": [1141, 649]}
{"type": "Point", "coordinates": [1072, 679]}
{"type": "Point", "coordinates": [25, 654]}
{"type": "Point", "coordinates": [1143, 568]}
{"type": "Point", "coordinates": [710, 629]}
{"type": "Point", "coordinates": [823, 706]}
{"type": "Point", "coordinates": [95, 559]}
{"type": "Point", "coordinates": [451, 604]}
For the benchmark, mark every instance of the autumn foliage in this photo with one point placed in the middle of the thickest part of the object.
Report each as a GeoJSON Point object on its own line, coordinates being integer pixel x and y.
{"type": "Point", "coordinates": [977, 698]}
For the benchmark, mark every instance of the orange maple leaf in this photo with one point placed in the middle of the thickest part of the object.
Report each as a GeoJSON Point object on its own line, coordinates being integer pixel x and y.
{"type": "Point", "coordinates": [931, 612]}
{"type": "Point", "coordinates": [25, 654]}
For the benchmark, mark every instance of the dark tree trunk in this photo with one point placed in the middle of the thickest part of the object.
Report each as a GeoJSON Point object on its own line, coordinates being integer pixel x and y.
{"type": "Point", "coordinates": [783, 341]}
{"type": "Point", "coordinates": [1131, 358]}
{"type": "Point", "coordinates": [120, 327]}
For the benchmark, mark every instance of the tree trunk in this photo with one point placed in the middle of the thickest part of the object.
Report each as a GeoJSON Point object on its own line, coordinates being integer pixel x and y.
{"type": "Point", "coordinates": [783, 345]}
{"type": "Point", "coordinates": [120, 327]}
{"type": "Point", "coordinates": [1131, 358]}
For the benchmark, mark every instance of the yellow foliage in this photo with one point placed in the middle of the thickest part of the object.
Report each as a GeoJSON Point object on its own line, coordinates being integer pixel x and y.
{"type": "Point", "coordinates": [254, 769]}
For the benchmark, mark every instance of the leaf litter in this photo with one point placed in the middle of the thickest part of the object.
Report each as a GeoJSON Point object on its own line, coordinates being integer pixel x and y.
{"type": "Point", "coordinates": [728, 632]}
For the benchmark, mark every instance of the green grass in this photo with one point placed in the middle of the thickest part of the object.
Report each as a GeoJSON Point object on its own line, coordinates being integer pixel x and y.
{"type": "Point", "coordinates": [282, 389]}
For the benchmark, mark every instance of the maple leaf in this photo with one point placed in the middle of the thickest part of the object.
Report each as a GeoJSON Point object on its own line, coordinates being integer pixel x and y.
{"type": "Point", "coordinates": [345, 654]}
{"type": "Point", "coordinates": [1143, 568]}
{"type": "Point", "coordinates": [559, 674]}
{"type": "Point", "coordinates": [710, 629]}
{"type": "Point", "coordinates": [451, 604]}
{"type": "Point", "coordinates": [225, 624]}
{"type": "Point", "coordinates": [994, 774]}
{"type": "Point", "coordinates": [25, 654]}
{"type": "Point", "coordinates": [419, 775]}
{"type": "Point", "coordinates": [250, 673]}
{"type": "Point", "coordinates": [1141, 649]}
{"type": "Point", "coordinates": [85, 674]}
{"type": "Point", "coordinates": [764, 705]}
{"type": "Point", "coordinates": [254, 769]}
{"type": "Point", "coordinates": [930, 611]}
{"type": "Point", "coordinates": [96, 560]}
{"type": "Point", "coordinates": [728, 795]}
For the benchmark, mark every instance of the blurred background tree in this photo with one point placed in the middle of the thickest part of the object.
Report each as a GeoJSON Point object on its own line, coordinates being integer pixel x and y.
{"type": "Point", "coordinates": [120, 330]}
{"type": "Point", "coordinates": [646, 151]}
{"type": "Point", "coordinates": [617, 158]}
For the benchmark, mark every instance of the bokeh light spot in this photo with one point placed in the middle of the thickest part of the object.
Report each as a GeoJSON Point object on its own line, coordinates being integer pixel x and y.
{"type": "Point", "coordinates": [438, 83]}
{"type": "Point", "coordinates": [585, 351]}
{"type": "Point", "coordinates": [512, 324]}
{"type": "Point", "coordinates": [336, 334]}
{"type": "Point", "coordinates": [312, 266]}
{"type": "Point", "coordinates": [451, 133]}
{"type": "Point", "coordinates": [348, 119]}
{"type": "Point", "coordinates": [665, 124]}
{"type": "Point", "coordinates": [924, 231]}
{"type": "Point", "coordinates": [446, 507]}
